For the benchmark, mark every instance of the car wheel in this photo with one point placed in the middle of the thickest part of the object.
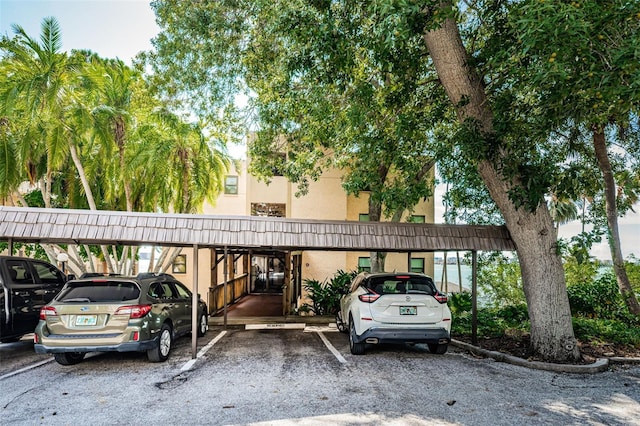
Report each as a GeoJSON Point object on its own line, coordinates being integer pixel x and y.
{"type": "Point", "coordinates": [357, 348]}
{"type": "Point", "coordinates": [69, 358]}
{"type": "Point", "coordinates": [203, 325]}
{"type": "Point", "coordinates": [434, 348]}
{"type": "Point", "coordinates": [342, 327]}
{"type": "Point", "coordinates": [161, 352]}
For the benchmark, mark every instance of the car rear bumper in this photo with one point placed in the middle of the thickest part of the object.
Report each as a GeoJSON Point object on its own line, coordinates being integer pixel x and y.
{"type": "Point", "coordinates": [121, 347]}
{"type": "Point", "coordinates": [405, 335]}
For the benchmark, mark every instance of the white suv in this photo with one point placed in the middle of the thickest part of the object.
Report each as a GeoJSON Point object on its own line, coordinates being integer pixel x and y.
{"type": "Point", "coordinates": [394, 308]}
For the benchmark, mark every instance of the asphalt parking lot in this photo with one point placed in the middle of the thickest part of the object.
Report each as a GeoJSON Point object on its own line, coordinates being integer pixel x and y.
{"type": "Point", "coordinates": [304, 377]}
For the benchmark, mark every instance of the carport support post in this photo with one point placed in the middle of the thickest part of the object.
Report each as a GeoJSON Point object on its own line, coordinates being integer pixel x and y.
{"type": "Point", "coordinates": [194, 305]}
{"type": "Point", "coordinates": [225, 286]}
{"type": "Point", "coordinates": [474, 297]}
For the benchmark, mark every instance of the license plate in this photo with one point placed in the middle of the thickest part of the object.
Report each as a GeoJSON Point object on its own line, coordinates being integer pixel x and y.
{"type": "Point", "coordinates": [408, 310]}
{"type": "Point", "coordinates": [86, 320]}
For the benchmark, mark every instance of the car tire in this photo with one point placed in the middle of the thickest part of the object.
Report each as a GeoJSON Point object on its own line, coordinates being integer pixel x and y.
{"type": "Point", "coordinates": [357, 348]}
{"type": "Point", "coordinates": [435, 348]}
{"type": "Point", "coordinates": [161, 352]}
{"type": "Point", "coordinates": [69, 358]}
{"type": "Point", "coordinates": [203, 325]}
{"type": "Point", "coordinates": [340, 325]}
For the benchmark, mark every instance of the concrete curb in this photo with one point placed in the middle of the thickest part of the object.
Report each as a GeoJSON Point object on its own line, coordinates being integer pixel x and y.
{"type": "Point", "coordinates": [598, 366]}
{"type": "Point", "coordinates": [623, 360]}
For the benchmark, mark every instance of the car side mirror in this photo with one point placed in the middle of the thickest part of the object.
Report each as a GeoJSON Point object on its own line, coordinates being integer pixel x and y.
{"type": "Point", "coordinates": [71, 277]}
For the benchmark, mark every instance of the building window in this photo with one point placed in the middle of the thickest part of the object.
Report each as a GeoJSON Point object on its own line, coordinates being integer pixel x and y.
{"type": "Point", "coordinates": [269, 209]}
{"type": "Point", "coordinates": [180, 264]}
{"type": "Point", "coordinates": [364, 217]}
{"type": "Point", "coordinates": [417, 264]}
{"type": "Point", "coordinates": [416, 219]}
{"type": "Point", "coordinates": [364, 264]}
{"type": "Point", "coordinates": [231, 185]}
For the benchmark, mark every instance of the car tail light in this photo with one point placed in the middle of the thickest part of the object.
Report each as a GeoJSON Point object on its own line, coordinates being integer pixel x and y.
{"type": "Point", "coordinates": [35, 338]}
{"type": "Point", "coordinates": [48, 311]}
{"type": "Point", "coordinates": [441, 297]}
{"type": "Point", "coordinates": [369, 297]}
{"type": "Point", "coordinates": [134, 311]}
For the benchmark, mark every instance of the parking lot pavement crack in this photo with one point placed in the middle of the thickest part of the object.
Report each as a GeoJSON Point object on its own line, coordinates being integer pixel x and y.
{"type": "Point", "coordinates": [20, 395]}
{"type": "Point", "coordinates": [173, 382]}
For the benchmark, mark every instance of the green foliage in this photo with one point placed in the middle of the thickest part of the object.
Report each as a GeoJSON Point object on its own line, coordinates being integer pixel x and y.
{"type": "Point", "coordinates": [500, 280]}
{"type": "Point", "coordinates": [492, 322]}
{"type": "Point", "coordinates": [608, 330]}
{"type": "Point", "coordinates": [599, 313]}
{"type": "Point", "coordinates": [632, 266]}
{"type": "Point", "coordinates": [599, 298]}
{"type": "Point", "coordinates": [30, 250]}
{"type": "Point", "coordinates": [325, 296]}
{"type": "Point", "coordinates": [460, 302]}
{"type": "Point", "coordinates": [578, 272]}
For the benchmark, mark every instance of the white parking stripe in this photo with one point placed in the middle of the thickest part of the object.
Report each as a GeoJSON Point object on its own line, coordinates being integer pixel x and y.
{"type": "Point", "coordinates": [275, 326]}
{"type": "Point", "coordinates": [333, 350]}
{"type": "Point", "coordinates": [203, 351]}
{"type": "Point", "coordinates": [27, 368]}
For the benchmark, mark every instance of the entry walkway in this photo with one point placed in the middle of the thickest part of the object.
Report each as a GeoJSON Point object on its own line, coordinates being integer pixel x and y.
{"type": "Point", "coordinates": [263, 309]}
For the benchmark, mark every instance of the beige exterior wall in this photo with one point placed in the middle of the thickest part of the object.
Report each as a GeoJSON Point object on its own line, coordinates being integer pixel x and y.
{"type": "Point", "coordinates": [232, 204]}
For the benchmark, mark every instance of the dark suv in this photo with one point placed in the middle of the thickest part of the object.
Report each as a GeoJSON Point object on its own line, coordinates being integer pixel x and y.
{"type": "Point", "coordinates": [26, 285]}
{"type": "Point", "coordinates": [144, 313]}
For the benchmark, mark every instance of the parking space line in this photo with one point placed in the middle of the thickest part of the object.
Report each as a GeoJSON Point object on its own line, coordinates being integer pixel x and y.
{"type": "Point", "coordinates": [203, 351]}
{"type": "Point", "coordinates": [27, 368]}
{"type": "Point", "coordinates": [333, 350]}
{"type": "Point", "coordinates": [273, 326]}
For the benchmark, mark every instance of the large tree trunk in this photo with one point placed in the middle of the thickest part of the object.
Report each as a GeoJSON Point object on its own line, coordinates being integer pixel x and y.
{"type": "Point", "coordinates": [600, 147]}
{"type": "Point", "coordinates": [552, 334]}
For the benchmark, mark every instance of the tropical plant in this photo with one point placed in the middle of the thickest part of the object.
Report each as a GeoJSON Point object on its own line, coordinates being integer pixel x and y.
{"type": "Point", "coordinates": [325, 296]}
{"type": "Point", "coordinates": [87, 132]}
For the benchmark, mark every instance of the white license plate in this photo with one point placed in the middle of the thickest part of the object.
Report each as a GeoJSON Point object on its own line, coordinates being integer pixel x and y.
{"type": "Point", "coordinates": [86, 320]}
{"type": "Point", "coordinates": [408, 310]}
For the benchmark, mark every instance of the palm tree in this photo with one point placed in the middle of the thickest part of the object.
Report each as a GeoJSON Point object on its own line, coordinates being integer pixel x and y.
{"type": "Point", "coordinates": [34, 96]}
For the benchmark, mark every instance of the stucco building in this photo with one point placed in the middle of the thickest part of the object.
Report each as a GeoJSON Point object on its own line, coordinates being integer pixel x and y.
{"type": "Point", "coordinates": [274, 271]}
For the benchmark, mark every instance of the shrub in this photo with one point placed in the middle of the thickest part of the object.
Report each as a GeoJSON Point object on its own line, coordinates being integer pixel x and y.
{"type": "Point", "coordinates": [325, 296]}
{"type": "Point", "coordinates": [599, 298]}
{"type": "Point", "coordinates": [605, 330]}
{"type": "Point", "coordinates": [492, 322]}
{"type": "Point", "coordinates": [460, 302]}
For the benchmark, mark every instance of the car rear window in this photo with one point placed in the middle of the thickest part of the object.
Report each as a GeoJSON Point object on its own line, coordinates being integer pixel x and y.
{"type": "Point", "coordinates": [99, 291]}
{"type": "Point", "coordinates": [401, 285]}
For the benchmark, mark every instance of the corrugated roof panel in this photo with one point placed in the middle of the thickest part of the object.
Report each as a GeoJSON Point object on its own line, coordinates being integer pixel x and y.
{"type": "Point", "coordinates": [242, 231]}
{"type": "Point", "coordinates": [21, 230]}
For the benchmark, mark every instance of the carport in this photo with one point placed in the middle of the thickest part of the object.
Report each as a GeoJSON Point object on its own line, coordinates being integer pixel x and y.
{"type": "Point", "coordinates": [245, 233]}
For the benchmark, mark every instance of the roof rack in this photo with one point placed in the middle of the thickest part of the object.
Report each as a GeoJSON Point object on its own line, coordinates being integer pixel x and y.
{"type": "Point", "coordinates": [143, 275]}
{"type": "Point", "coordinates": [98, 274]}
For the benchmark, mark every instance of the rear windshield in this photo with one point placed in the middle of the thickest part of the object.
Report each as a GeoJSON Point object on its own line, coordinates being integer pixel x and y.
{"type": "Point", "coordinates": [99, 291]}
{"type": "Point", "coordinates": [402, 285]}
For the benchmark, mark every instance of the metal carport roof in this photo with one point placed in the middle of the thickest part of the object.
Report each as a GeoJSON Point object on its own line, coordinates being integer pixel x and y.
{"type": "Point", "coordinates": [64, 226]}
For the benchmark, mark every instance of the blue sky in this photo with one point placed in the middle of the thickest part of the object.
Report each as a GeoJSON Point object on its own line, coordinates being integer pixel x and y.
{"type": "Point", "coordinates": [122, 28]}
{"type": "Point", "coordinates": [111, 28]}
